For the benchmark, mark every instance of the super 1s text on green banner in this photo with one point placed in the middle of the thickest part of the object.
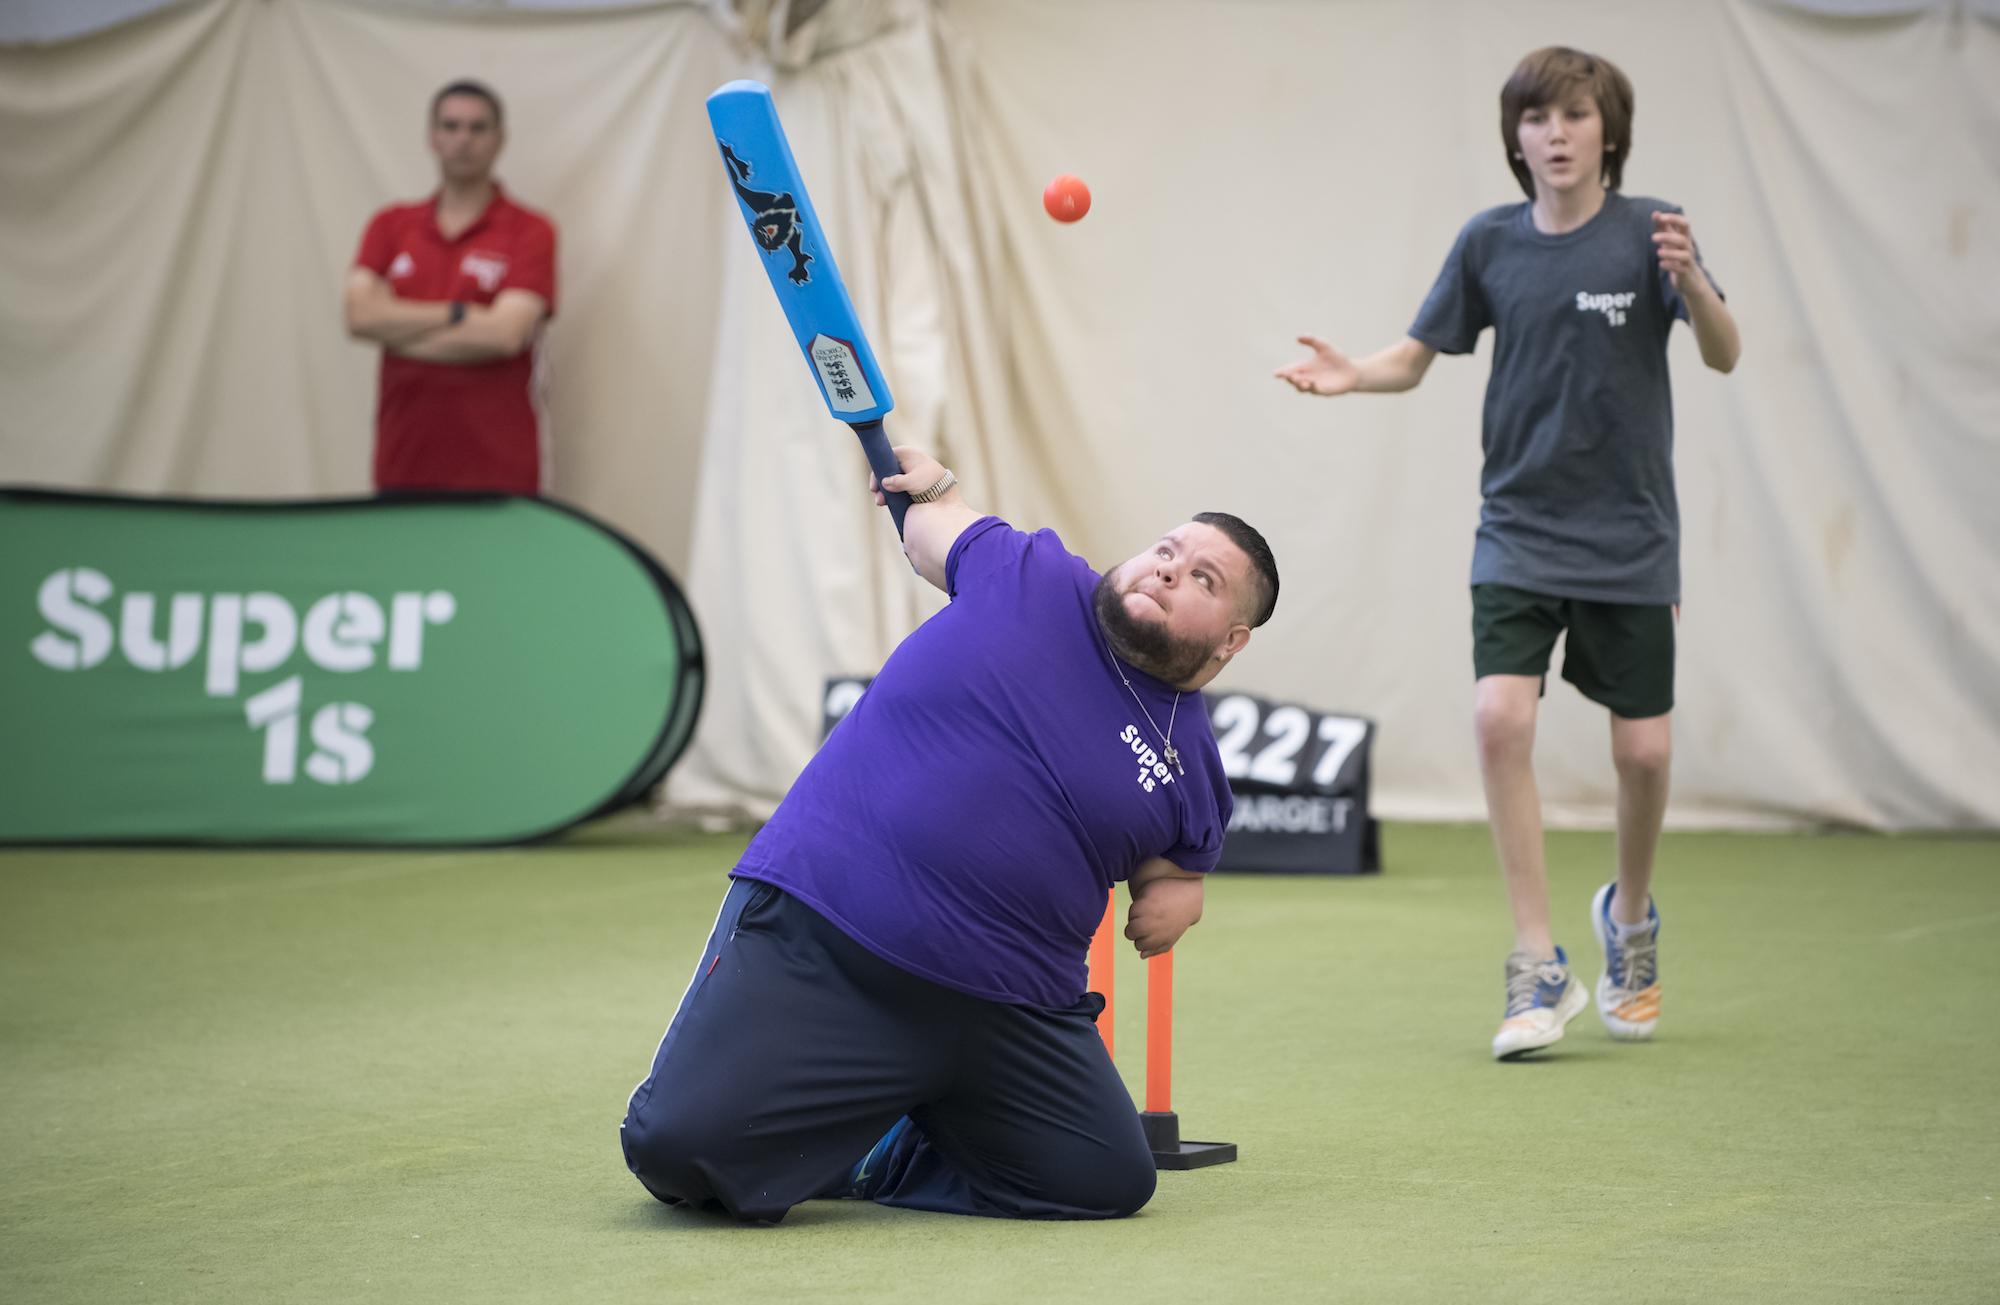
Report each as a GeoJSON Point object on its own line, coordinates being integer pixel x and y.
{"type": "Point", "coordinates": [469, 671]}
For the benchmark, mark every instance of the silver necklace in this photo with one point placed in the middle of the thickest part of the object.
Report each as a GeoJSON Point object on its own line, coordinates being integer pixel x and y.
{"type": "Point", "coordinates": [1171, 753]}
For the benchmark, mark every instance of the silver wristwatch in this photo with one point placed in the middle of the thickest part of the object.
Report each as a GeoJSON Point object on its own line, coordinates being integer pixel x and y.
{"type": "Point", "coordinates": [937, 491]}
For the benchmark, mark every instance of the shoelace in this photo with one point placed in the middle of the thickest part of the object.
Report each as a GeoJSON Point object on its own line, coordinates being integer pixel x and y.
{"type": "Point", "coordinates": [1523, 977]}
{"type": "Point", "coordinates": [1636, 961]}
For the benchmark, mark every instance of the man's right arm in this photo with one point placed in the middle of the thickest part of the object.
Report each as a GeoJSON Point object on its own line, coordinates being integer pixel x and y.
{"type": "Point", "coordinates": [1329, 371]}
{"type": "Point", "coordinates": [929, 529]}
{"type": "Point", "coordinates": [375, 313]}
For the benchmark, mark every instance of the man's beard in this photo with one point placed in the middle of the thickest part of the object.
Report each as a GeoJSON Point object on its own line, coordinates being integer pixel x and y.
{"type": "Point", "coordinates": [1148, 645]}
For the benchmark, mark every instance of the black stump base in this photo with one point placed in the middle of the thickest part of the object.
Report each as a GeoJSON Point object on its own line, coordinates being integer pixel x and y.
{"type": "Point", "coordinates": [1163, 1136]}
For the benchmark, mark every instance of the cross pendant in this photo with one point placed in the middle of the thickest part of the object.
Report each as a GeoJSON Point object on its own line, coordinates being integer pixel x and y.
{"type": "Point", "coordinates": [1174, 758]}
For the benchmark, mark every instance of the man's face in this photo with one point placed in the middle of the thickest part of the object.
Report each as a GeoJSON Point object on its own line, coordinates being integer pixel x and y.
{"type": "Point", "coordinates": [1172, 609]}
{"type": "Point", "coordinates": [465, 138]}
{"type": "Point", "coordinates": [1563, 144]}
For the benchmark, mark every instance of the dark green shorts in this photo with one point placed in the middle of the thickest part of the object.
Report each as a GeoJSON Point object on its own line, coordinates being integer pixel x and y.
{"type": "Point", "coordinates": [1620, 655]}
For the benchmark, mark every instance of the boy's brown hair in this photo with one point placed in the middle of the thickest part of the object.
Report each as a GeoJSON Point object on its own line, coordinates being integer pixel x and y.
{"type": "Point", "coordinates": [1553, 76]}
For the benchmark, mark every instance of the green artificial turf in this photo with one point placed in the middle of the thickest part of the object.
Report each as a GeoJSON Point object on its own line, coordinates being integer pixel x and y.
{"type": "Point", "coordinates": [306, 1076]}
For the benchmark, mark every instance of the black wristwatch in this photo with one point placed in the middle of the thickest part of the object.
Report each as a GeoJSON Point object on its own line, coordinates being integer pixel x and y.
{"type": "Point", "coordinates": [457, 312]}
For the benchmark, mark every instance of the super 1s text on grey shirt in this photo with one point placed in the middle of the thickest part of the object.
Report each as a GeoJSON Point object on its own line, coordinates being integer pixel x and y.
{"type": "Point", "coordinates": [1579, 421]}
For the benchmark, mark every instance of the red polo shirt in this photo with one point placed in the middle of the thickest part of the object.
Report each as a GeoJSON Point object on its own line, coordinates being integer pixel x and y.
{"type": "Point", "coordinates": [460, 425]}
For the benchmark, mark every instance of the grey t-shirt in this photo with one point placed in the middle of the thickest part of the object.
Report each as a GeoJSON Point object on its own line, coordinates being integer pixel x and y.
{"type": "Point", "coordinates": [1579, 420]}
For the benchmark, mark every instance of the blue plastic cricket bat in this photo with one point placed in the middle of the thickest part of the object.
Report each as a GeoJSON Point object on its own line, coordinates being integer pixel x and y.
{"type": "Point", "coordinates": [797, 258]}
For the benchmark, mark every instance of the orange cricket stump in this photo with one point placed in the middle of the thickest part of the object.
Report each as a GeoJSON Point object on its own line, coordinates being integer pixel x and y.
{"type": "Point", "coordinates": [1162, 1125]}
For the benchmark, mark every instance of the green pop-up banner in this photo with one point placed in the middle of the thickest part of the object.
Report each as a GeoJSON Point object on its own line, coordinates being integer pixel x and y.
{"type": "Point", "coordinates": [460, 670]}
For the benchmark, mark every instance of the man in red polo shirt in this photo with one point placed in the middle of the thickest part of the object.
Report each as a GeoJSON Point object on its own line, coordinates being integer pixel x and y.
{"type": "Point", "coordinates": [455, 289]}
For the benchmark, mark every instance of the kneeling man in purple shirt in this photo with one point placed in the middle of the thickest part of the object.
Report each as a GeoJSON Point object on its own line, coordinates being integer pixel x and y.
{"type": "Point", "coordinates": [891, 1005]}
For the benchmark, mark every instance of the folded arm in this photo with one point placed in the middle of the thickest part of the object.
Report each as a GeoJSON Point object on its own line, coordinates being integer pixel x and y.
{"type": "Point", "coordinates": [376, 313]}
{"type": "Point", "coordinates": [1166, 903]}
{"type": "Point", "coordinates": [929, 529]}
{"type": "Point", "coordinates": [422, 328]}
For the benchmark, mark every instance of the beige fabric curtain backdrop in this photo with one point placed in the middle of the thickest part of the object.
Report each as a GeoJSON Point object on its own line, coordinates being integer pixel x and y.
{"type": "Point", "coordinates": [180, 195]}
{"type": "Point", "coordinates": [1264, 169]}
{"type": "Point", "coordinates": [180, 198]}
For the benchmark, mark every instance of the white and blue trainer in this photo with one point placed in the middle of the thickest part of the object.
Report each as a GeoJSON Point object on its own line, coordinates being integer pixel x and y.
{"type": "Point", "coordinates": [1628, 992]}
{"type": "Point", "coordinates": [1542, 998]}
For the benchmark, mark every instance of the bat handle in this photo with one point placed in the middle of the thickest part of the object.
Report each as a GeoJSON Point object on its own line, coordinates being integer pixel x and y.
{"type": "Point", "coordinates": [882, 461]}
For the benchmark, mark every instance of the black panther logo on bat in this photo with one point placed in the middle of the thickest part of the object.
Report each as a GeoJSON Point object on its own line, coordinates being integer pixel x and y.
{"type": "Point", "coordinates": [776, 224]}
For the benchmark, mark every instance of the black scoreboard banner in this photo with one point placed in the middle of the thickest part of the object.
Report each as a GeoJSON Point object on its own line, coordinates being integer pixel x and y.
{"type": "Point", "coordinates": [1300, 778]}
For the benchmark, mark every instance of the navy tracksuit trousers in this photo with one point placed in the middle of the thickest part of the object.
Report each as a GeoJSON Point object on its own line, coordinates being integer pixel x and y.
{"type": "Point", "coordinates": [795, 1049]}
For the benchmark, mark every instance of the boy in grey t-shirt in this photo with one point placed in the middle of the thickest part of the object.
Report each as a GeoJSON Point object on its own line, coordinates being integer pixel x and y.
{"type": "Point", "coordinates": [1580, 528]}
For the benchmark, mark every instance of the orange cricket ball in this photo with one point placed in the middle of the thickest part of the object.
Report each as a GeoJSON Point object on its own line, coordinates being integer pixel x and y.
{"type": "Point", "coordinates": [1067, 199]}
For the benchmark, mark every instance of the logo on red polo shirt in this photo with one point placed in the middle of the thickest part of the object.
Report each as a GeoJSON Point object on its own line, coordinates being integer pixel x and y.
{"type": "Point", "coordinates": [486, 268]}
{"type": "Point", "coordinates": [403, 266]}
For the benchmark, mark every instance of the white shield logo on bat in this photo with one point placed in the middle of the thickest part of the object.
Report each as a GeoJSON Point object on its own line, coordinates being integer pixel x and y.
{"type": "Point", "coordinates": [840, 372]}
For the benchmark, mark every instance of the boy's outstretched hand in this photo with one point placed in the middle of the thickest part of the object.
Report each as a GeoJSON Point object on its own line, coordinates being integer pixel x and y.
{"type": "Point", "coordinates": [1386, 371]}
{"type": "Point", "coordinates": [1328, 371]}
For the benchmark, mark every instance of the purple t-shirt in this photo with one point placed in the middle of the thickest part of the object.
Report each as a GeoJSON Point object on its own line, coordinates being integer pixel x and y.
{"type": "Point", "coordinates": [967, 819]}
